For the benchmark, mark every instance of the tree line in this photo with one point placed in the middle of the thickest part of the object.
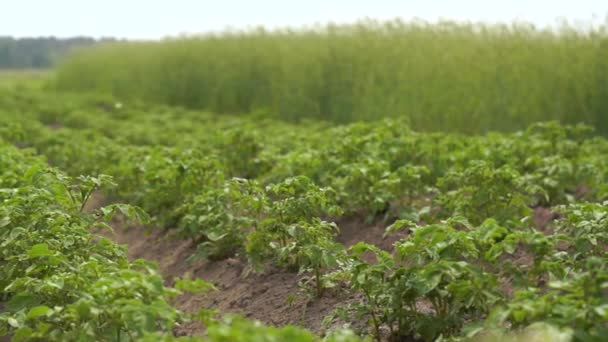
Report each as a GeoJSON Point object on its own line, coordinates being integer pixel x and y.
{"type": "Point", "coordinates": [40, 52]}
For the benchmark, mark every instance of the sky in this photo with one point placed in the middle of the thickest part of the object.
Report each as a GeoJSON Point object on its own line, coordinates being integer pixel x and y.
{"type": "Point", "coordinates": [151, 19]}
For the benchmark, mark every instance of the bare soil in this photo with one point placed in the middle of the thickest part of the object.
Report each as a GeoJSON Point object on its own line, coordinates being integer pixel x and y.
{"type": "Point", "coordinates": [543, 218]}
{"type": "Point", "coordinates": [273, 297]}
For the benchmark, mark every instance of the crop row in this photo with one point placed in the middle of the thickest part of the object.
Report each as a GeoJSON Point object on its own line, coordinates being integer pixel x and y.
{"type": "Point", "coordinates": [473, 261]}
{"type": "Point", "coordinates": [62, 283]}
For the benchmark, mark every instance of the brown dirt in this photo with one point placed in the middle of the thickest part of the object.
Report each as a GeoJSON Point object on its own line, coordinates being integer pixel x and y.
{"type": "Point", "coordinates": [522, 258]}
{"type": "Point", "coordinates": [543, 218]}
{"type": "Point", "coordinates": [273, 297]}
{"type": "Point", "coordinates": [352, 232]}
{"type": "Point", "coordinates": [55, 126]}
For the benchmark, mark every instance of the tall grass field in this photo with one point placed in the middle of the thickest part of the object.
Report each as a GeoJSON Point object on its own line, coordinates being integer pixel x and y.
{"type": "Point", "coordinates": [445, 76]}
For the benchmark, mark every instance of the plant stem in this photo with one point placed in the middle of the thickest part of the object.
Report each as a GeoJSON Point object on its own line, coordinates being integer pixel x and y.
{"type": "Point", "coordinates": [86, 198]}
{"type": "Point", "coordinates": [319, 285]}
{"type": "Point", "coordinates": [374, 319]}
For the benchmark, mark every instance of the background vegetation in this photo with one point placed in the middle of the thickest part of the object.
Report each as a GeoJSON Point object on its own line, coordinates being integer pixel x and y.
{"type": "Point", "coordinates": [447, 76]}
{"type": "Point", "coordinates": [37, 53]}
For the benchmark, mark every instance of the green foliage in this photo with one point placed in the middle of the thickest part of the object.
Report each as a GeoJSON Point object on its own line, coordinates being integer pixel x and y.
{"type": "Point", "coordinates": [220, 218]}
{"type": "Point", "coordinates": [578, 302]}
{"type": "Point", "coordinates": [472, 256]}
{"type": "Point", "coordinates": [167, 179]}
{"type": "Point", "coordinates": [235, 328]}
{"type": "Point", "coordinates": [58, 282]}
{"type": "Point", "coordinates": [481, 191]}
{"type": "Point", "coordinates": [394, 287]}
{"type": "Point", "coordinates": [290, 232]}
{"type": "Point", "coordinates": [446, 76]}
{"type": "Point", "coordinates": [587, 225]}
{"type": "Point", "coordinates": [195, 286]}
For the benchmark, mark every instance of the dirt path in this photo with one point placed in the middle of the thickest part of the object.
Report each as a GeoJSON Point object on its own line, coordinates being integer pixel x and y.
{"type": "Point", "coordinates": [270, 297]}
{"type": "Point", "coordinates": [273, 297]}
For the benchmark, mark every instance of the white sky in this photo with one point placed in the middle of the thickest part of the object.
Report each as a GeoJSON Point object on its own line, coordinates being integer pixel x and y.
{"type": "Point", "coordinates": [145, 19]}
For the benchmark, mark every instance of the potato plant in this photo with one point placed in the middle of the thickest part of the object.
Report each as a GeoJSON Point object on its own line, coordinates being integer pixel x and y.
{"type": "Point", "coordinates": [219, 219]}
{"type": "Point", "coordinates": [500, 232]}
{"type": "Point", "coordinates": [290, 231]}
{"type": "Point", "coordinates": [61, 283]}
{"type": "Point", "coordinates": [577, 303]}
{"type": "Point", "coordinates": [58, 282]}
{"type": "Point", "coordinates": [481, 191]}
{"type": "Point", "coordinates": [430, 266]}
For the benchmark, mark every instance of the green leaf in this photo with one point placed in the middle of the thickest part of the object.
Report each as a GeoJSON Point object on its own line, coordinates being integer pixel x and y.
{"type": "Point", "coordinates": [20, 301]}
{"type": "Point", "coordinates": [398, 225]}
{"type": "Point", "coordinates": [131, 212]}
{"type": "Point", "coordinates": [196, 286]}
{"type": "Point", "coordinates": [5, 221]}
{"type": "Point", "coordinates": [13, 322]}
{"type": "Point", "coordinates": [23, 334]}
{"type": "Point", "coordinates": [602, 311]}
{"type": "Point", "coordinates": [38, 311]}
{"type": "Point", "coordinates": [39, 250]}
{"type": "Point", "coordinates": [213, 236]}
{"type": "Point", "coordinates": [31, 172]}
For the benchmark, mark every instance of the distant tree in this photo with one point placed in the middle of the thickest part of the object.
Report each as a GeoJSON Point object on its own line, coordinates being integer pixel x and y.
{"type": "Point", "coordinates": [39, 52]}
